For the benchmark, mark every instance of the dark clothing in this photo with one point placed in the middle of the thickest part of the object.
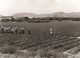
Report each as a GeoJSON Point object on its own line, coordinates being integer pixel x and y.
{"type": "Point", "coordinates": [22, 31]}
{"type": "Point", "coordinates": [2, 30]}
{"type": "Point", "coordinates": [29, 32]}
{"type": "Point", "coordinates": [16, 31]}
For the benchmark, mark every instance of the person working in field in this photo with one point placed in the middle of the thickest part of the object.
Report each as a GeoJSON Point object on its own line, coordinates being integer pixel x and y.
{"type": "Point", "coordinates": [9, 29]}
{"type": "Point", "coordinates": [29, 31]}
{"type": "Point", "coordinates": [51, 31]}
{"type": "Point", "coordinates": [16, 30]}
{"type": "Point", "coordinates": [22, 30]}
{"type": "Point", "coordinates": [6, 29]}
{"type": "Point", "coordinates": [12, 30]}
{"type": "Point", "coordinates": [19, 30]}
{"type": "Point", "coordinates": [2, 29]}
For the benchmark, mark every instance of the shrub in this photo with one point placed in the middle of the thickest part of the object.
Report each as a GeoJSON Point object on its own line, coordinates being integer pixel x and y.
{"type": "Point", "coordinates": [32, 53]}
{"type": "Point", "coordinates": [50, 53]}
{"type": "Point", "coordinates": [8, 49]}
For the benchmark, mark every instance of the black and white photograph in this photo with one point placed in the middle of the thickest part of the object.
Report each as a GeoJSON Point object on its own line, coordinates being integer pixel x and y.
{"type": "Point", "coordinates": [39, 28]}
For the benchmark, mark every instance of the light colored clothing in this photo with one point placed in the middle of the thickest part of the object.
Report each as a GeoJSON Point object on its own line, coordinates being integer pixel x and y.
{"type": "Point", "coordinates": [51, 31]}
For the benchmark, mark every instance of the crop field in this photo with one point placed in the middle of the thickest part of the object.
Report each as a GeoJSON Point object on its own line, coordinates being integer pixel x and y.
{"type": "Point", "coordinates": [63, 38]}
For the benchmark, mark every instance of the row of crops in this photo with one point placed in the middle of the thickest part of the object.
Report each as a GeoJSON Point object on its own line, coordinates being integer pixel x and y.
{"type": "Point", "coordinates": [57, 44]}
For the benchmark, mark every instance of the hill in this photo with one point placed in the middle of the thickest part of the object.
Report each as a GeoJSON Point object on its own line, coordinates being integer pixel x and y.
{"type": "Point", "coordinates": [56, 14]}
{"type": "Point", "coordinates": [24, 14]}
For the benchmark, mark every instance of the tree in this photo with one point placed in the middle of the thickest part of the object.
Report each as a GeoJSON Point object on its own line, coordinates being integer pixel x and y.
{"type": "Point", "coordinates": [50, 18]}
{"type": "Point", "coordinates": [26, 18]}
{"type": "Point", "coordinates": [12, 19]}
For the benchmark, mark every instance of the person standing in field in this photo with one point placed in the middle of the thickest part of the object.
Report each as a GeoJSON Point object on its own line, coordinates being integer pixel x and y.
{"type": "Point", "coordinates": [51, 31]}
{"type": "Point", "coordinates": [9, 29]}
{"type": "Point", "coordinates": [2, 29]}
{"type": "Point", "coordinates": [6, 29]}
{"type": "Point", "coordinates": [29, 31]}
{"type": "Point", "coordinates": [16, 30]}
{"type": "Point", "coordinates": [22, 30]}
{"type": "Point", "coordinates": [12, 30]}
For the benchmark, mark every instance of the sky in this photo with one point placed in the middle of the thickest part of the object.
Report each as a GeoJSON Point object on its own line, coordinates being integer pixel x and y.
{"type": "Point", "coordinates": [10, 7]}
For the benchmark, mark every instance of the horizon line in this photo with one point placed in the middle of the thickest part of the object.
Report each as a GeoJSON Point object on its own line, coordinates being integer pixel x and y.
{"type": "Point", "coordinates": [38, 13]}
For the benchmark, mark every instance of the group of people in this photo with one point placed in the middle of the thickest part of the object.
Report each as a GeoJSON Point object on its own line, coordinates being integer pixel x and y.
{"type": "Point", "coordinates": [17, 30]}
{"type": "Point", "coordinates": [14, 30]}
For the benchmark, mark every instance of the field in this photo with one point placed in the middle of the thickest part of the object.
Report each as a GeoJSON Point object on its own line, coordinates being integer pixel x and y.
{"type": "Point", "coordinates": [63, 38]}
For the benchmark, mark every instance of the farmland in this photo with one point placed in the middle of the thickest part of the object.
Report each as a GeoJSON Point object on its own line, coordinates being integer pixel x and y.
{"type": "Point", "coordinates": [63, 38]}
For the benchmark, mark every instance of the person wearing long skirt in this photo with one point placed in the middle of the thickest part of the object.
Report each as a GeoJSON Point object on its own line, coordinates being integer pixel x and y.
{"type": "Point", "coordinates": [9, 29]}
{"type": "Point", "coordinates": [22, 30]}
{"type": "Point", "coordinates": [51, 33]}
{"type": "Point", "coordinates": [29, 31]}
{"type": "Point", "coordinates": [16, 30]}
{"type": "Point", "coordinates": [12, 31]}
{"type": "Point", "coordinates": [2, 29]}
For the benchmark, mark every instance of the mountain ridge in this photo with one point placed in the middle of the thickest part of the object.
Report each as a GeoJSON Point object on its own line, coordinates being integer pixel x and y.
{"type": "Point", "coordinates": [56, 14]}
